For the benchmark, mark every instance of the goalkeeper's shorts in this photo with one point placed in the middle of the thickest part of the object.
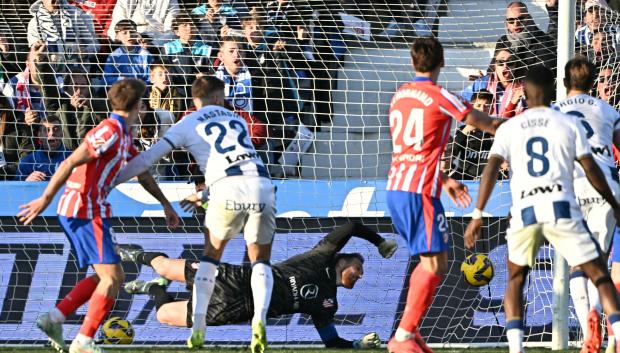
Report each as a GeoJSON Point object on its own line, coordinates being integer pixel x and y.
{"type": "Point", "coordinates": [92, 239]}
{"type": "Point", "coordinates": [615, 248]}
{"type": "Point", "coordinates": [420, 220]}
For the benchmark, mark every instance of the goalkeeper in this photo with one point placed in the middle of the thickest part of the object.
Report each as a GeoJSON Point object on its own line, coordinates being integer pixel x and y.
{"type": "Point", "coordinates": [305, 283]}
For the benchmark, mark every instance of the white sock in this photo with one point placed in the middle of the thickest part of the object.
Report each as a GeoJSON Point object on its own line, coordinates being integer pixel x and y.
{"type": "Point", "coordinates": [204, 282]}
{"type": "Point", "coordinates": [402, 335]}
{"type": "Point", "coordinates": [579, 293]}
{"type": "Point", "coordinates": [57, 316]}
{"type": "Point", "coordinates": [262, 285]}
{"type": "Point", "coordinates": [83, 339]}
{"type": "Point", "coordinates": [616, 326]}
{"type": "Point", "coordinates": [595, 301]}
{"type": "Point", "coordinates": [514, 333]}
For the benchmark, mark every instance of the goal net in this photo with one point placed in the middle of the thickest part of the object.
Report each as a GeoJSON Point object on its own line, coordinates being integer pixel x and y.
{"type": "Point", "coordinates": [314, 80]}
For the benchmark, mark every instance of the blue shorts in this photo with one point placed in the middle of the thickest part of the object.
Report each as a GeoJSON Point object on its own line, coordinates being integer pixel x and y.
{"type": "Point", "coordinates": [92, 240]}
{"type": "Point", "coordinates": [420, 220]}
{"type": "Point", "coordinates": [615, 247]}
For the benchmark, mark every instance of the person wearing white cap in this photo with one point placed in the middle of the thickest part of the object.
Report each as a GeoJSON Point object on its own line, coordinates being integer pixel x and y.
{"type": "Point", "coordinates": [594, 19]}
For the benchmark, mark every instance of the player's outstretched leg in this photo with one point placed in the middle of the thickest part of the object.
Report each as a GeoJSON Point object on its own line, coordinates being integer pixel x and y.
{"type": "Point", "coordinates": [262, 285]}
{"type": "Point", "coordinates": [204, 282]}
{"type": "Point", "coordinates": [110, 278]}
{"type": "Point", "coordinates": [513, 305]}
{"type": "Point", "coordinates": [51, 323]}
{"type": "Point", "coordinates": [423, 284]}
{"type": "Point", "coordinates": [598, 274]}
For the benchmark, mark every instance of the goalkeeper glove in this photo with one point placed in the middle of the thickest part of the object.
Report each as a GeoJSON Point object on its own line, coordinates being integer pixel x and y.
{"type": "Point", "coordinates": [387, 248]}
{"type": "Point", "coordinates": [370, 340]}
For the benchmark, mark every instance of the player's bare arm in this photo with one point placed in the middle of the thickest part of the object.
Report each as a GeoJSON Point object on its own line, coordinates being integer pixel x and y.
{"type": "Point", "coordinates": [616, 138]}
{"type": "Point", "coordinates": [149, 184]}
{"type": "Point", "coordinates": [143, 161]}
{"type": "Point", "coordinates": [483, 121]}
{"type": "Point", "coordinates": [487, 183]}
{"type": "Point", "coordinates": [598, 181]}
{"type": "Point", "coordinates": [33, 208]}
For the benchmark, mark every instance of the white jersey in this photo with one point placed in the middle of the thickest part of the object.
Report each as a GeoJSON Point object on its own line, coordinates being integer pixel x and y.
{"type": "Point", "coordinates": [219, 141]}
{"type": "Point", "coordinates": [599, 120]}
{"type": "Point", "coordinates": [541, 146]}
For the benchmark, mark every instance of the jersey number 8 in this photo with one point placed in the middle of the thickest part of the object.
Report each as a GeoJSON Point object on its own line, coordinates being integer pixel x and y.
{"type": "Point", "coordinates": [537, 155]}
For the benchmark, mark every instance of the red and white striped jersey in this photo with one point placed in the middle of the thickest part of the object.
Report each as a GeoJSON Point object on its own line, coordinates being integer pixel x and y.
{"type": "Point", "coordinates": [420, 120]}
{"type": "Point", "coordinates": [111, 144]}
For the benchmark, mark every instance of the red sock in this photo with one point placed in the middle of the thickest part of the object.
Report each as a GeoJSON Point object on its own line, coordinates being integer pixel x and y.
{"type": "Point", "coordinates": [78, 296]}
{"type": "Point", "coordinates": [98, 309]}
{"type": "Point", "coordinates": [422, 287]}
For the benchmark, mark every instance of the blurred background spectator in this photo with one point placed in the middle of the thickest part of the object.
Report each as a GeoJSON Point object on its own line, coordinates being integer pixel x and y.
{"type": "Point", "coordinates": [67, 31]}
{"type": "Point", "coordinates": [218, 20]}
{"type": "Point", "coordinates": [504, 84]}
{"type": "Point", "coordinates": [153, 18]}
{"type": "Point", "coordinates": [130, 59]}
{"type": "Point", "coordinates": [41, 164]}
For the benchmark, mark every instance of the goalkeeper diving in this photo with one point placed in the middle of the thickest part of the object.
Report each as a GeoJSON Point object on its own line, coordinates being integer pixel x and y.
{"type": "Point", "coordinates": [305, 283]}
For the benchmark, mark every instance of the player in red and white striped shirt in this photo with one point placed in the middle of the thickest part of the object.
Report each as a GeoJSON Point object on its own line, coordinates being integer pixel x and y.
{"type": "Point", "coordinates": [84, 214]}
{"type": "Point", "coordinates": [421, 114]}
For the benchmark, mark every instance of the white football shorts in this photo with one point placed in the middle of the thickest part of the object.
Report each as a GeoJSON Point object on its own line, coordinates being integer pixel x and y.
{"type": "Point", "coordinates": [242, 204]}
{"type": "Point", "coordinates": [596, 211]}
{"type": "Point", "coordinates": [569, 237]}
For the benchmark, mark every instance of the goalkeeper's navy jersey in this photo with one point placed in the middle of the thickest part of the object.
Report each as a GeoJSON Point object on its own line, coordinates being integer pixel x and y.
{"type": "Point", "coordinates": [305, 283]}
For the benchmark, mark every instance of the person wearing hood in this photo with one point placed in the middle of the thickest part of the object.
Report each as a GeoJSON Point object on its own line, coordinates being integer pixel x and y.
{"type": "Point", "coordinates": [41, 164]}
{"type": "Point", "coordinates": [530, 44]}
{"type": "Point", "coordinates": [68, 32]}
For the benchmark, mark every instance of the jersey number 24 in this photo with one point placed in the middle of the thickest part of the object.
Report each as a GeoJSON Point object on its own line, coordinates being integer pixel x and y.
{"type": "Point", "coordinates": [413, 132]}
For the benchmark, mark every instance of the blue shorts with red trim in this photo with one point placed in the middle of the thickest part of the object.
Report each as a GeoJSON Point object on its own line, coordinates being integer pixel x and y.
{"type": "Point", "coordinates": [92, 240]}
{"type": "Point", "coordinates": [615, 248]}
{"type": "Point", "coordinates": [420, 220]}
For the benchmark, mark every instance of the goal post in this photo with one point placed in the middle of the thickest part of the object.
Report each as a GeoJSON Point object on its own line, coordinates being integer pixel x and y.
{"type": "Point", "coordinates": [566, 50]}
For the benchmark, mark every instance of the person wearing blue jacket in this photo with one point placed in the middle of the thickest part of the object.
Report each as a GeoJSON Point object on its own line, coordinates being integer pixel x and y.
{"type": "Point", "coordinates": [41, 164]}
{"type": "Point", "coordinates": [130, 60]}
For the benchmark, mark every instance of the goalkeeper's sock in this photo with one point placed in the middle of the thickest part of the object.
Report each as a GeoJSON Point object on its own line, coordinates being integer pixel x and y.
{"type": "Point", "coordinates": [159, 295]}
{"type": "Point", "coordinates": [610, 330]}
{"type": "Point", "coordinates": [579, 293]}
{"type": "Point", "coordinates": [98, 309]}
{"type": "Point", "coordinates": [262, 285]}
{"type": "Point", "coordinates": [514, 333]}
{"type": "Point", "coordinates": [145, 258]}
{"type": "Point", "coordinates": [593, 297]}
{"type": "Point", "coordinates": [422, 287]}
{"type": "Point", "coordinates": [79, 295]}
{"type": "Point", "coordinates": [204, 282]}
{"type": "Point", "coordinates": [614, 321]}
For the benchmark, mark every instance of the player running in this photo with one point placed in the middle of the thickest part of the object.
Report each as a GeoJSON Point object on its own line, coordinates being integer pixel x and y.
{"type": "Point", "coordinates": [602, 125]}
{"type": "Point", "coordinates": [84, 214]}
{"type": "Point", "coordinates": [421, 114]}
{"type": "Point", "coordinates": [305, 283]}
{"type": "Point", "coordinates": [242, 197]}
{"type": "Point", "coordinates": [541, 146]}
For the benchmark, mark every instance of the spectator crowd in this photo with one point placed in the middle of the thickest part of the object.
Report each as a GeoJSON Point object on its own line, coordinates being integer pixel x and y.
{"type": "Point", "coordinates": [278, 60]}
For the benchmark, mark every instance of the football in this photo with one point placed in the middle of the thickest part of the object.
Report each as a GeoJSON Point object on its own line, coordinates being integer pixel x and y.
{"type": "Point", "coordinates": [117, 331]}
{"type": "Point", "coordinates": [477, 270]}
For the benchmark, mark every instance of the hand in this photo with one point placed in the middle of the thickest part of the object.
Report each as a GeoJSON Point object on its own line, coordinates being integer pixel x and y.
{"type": "Point", "coordinates": [457, 192]}
{"type": "Point", "coordinates": [37, 51]}
{"type": "Point", "coordinates": [30, 116]}
{"type": "Point", "coordinates": [368, 341]}
{"type": "Point", "coordinates": [279, 45]}
{"type": "Point", "coordinates": [472, 233]}
{"type": "Point", "coordinates": [224, 31]}
{"type": "Point", "coordinates": [36, 176]}
{"type": "Point", "coordinates": [191, 202]}
{"type": "Point", "coordinates": [77, 101]}
{"type": "Point", "coordinates": [551, 3]}
{"type": "Point", "coordinates": [387, 248]}
{"type": "Point", "coordinates": [210, 15]}
{"type": "Point", "coordinates": [32, 209]}
{"type": "Point", "coordinates": [301, 33]}
{"type": "Point", "coordinates": [516, 95]}
{"type": "Point", "coordinates": [172, 218]}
